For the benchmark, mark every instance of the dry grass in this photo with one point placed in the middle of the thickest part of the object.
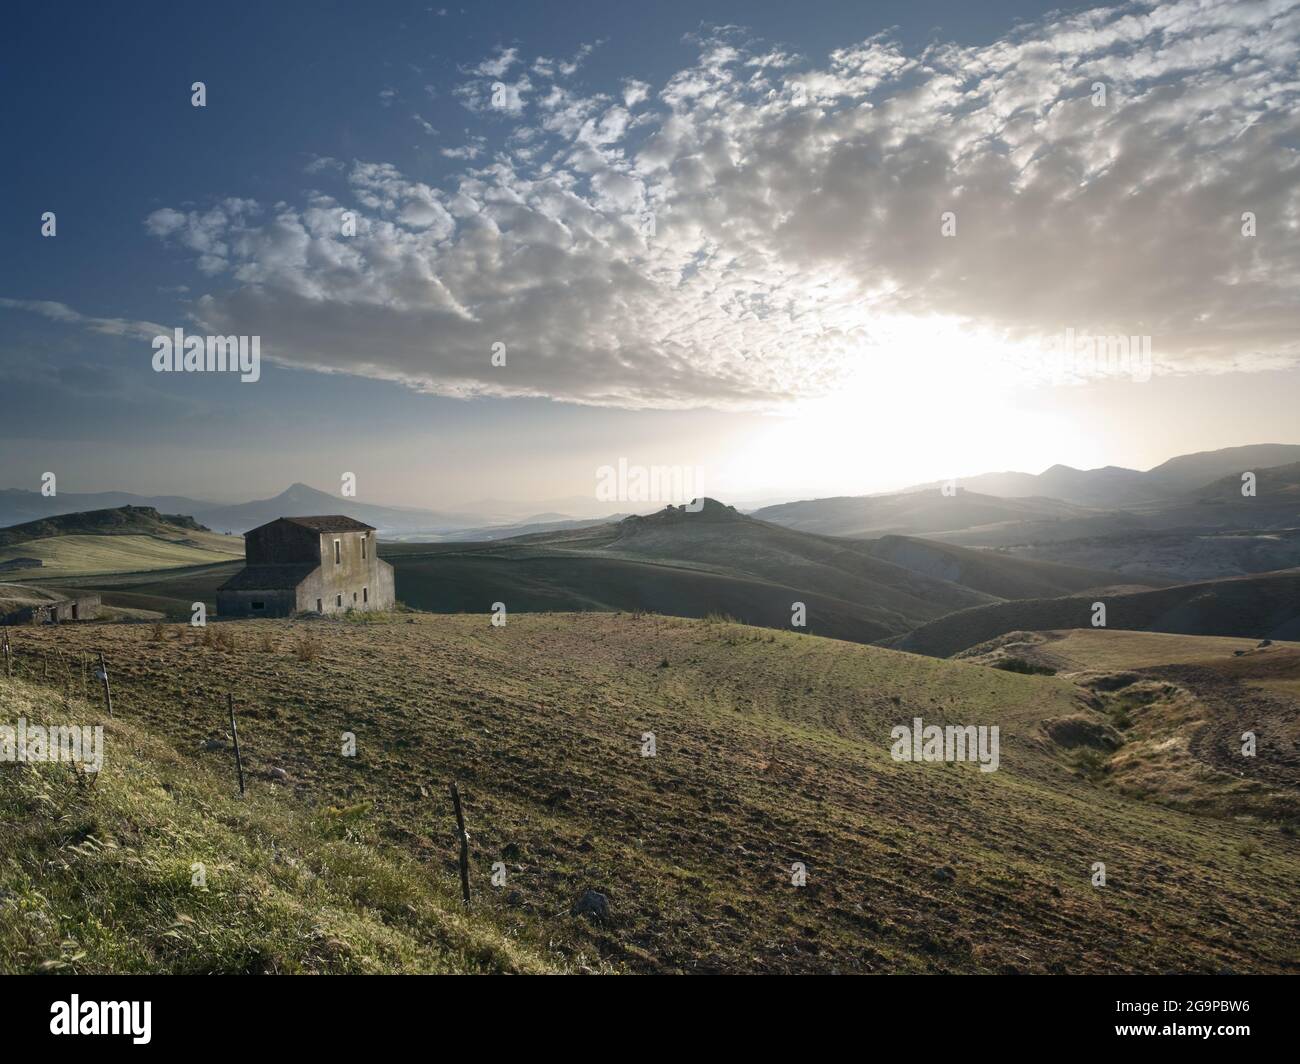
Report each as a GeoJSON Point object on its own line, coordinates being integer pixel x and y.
{"type": "Point", "coordinates": [772, 748]}
{"type": "Point", "coordinates": [155, 865]}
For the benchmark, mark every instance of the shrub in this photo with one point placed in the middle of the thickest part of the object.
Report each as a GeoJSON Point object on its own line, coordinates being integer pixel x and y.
{"type": "Point", "coordinates": [1020, 665]}
{"type": "Point", "coordinates": [1092, 764]}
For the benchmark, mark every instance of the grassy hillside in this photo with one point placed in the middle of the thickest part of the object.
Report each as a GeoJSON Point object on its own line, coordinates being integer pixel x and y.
{"type": "Point", "coordinates": [98, 875]}
{"type": "Point", "coordinates": [716, 561]}
{"type": "Point", "coordinates": [1176, 557]}
{"type": "Point", "coordinates": [1104, 650]}
{"type": "Point", "coordinates": [123, 539]}
{"type": "Point", "coordinates": [1171, 714]}
{"type": "Point", "coordinates": [1263, 606]}
{"type": "Point", "coordinates": [913, 513]}
{"type": "Point", "coordinates": [1272, 485]}
{"type": "Point", "coordinates": [1187, 472]}
{"type": "Point", "coordinates": [991, 572]}
{"type": "Point", "coordinates": [531, 581]}
{"type": "Point", "coordinates": [121, 520]}
{"type": "Point", "coordinates": [772, 749]}
{"type": "Point", "coordinates": [63, 556]}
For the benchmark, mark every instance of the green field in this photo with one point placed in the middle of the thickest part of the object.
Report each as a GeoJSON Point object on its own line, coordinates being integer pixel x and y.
{"type": "Point", "coordinates": [772, 750]}
{"type": "Point", "coordinates": [63, 556]}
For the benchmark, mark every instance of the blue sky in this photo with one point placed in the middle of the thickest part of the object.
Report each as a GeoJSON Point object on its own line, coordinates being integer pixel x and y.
{"type": "Point", "coordinates": [793, 313]}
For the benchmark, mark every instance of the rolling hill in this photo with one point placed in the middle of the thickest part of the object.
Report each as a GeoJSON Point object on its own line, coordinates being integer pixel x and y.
{"type": "Point", "coordinates": [1258, 607]}
{"type": "Point", "coordinates": [717, 561]}
{"type": "Point", "coordinates": [1274, 485]}
{"type": "Point", "coordinates": [20, 506]}
{"type": "Point", "coordinates": [1189, 471]}
{"type": "Point", "coordinates": [122, 520]}
{"type": "Point", "coordinates": [1207, 532]}
{"type": "Point", "coordinates": [994, 573]}
{"type": "Point", "coordinates": [714, 562]}
{"type": "Point", "coordinates": [540, 525]}
{"type": "Point", "coordinates": [912, 513]}
{"type": "Point", "coordinates": [772, 753]}
{"type": "Point", "coordinates": [122, 539]}
{"type": "Point", "coordinates": [1174, 557]}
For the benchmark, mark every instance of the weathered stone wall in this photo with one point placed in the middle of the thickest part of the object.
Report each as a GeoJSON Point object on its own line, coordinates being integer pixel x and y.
{"type": "Point", "coordinates": [276, 602]}
{"type": "Point", "coordinates": [357, 580]}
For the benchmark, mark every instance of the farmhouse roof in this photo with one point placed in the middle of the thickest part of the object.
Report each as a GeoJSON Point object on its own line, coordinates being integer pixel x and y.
{"type": "Point", "coordinates": [268, 578]}
{"type": "Point", "coordinates": [329, 523]}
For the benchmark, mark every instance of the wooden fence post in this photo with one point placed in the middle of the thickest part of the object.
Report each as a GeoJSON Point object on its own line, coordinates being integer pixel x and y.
{"type": "Point", "coordinates": [9, 669]}
{"type": "Point", "coordinates": [103, 675]}
{"type": "Point", "coordinates": [234, 734]}
{"type": "Point", "coordinates": [464, 843]}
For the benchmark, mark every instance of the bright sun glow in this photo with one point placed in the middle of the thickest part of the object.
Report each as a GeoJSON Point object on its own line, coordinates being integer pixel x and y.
{"type": "Point", "coordinates": [927, 401]}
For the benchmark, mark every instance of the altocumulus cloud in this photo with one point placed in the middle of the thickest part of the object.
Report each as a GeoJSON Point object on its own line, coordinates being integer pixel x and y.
{"type": "Point", "coordinates": [795, 209]}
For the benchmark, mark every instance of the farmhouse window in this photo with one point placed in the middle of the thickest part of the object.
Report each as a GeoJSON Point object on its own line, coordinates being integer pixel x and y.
{"type": "Point", "coordinates": [259, 605]}
{"type": "Point", "coordinates": [365, 594]}
{"type": "Point", "coordinates": [338, 552]}
{"type": "Point", "coordinates": [338, 600]}
{"type": "Point", "coordinates": [319, 607]}
{"type": "Point", "coordinates": [363, 547]}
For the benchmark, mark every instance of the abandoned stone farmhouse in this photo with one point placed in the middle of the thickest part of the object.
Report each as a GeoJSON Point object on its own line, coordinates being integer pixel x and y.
{"type": "Point", "coordinates": [308, 565]}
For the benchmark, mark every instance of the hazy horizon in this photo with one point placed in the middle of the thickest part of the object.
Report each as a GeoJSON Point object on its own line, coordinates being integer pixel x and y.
{"type": "Point", "coordinates": [535, 505]}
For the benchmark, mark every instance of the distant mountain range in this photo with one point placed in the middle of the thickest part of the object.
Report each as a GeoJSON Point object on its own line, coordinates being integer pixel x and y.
{"type": "Point", "coordinates": [1114, 487]}
{"type": "Point", "coordinates": [1193, 494]}
{"type": "Point", "coordinates": [991, 509]}
{"type": "Point", "coordinates": [18, 506]}
{"type": "Point", "coordinates": [298, 500]}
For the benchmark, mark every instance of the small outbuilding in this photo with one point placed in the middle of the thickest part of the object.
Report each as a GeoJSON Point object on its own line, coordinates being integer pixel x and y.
{"type": "Point", "coordinates": [24, 604]}
{"type": "Point", "coordinates": [308, 565]}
